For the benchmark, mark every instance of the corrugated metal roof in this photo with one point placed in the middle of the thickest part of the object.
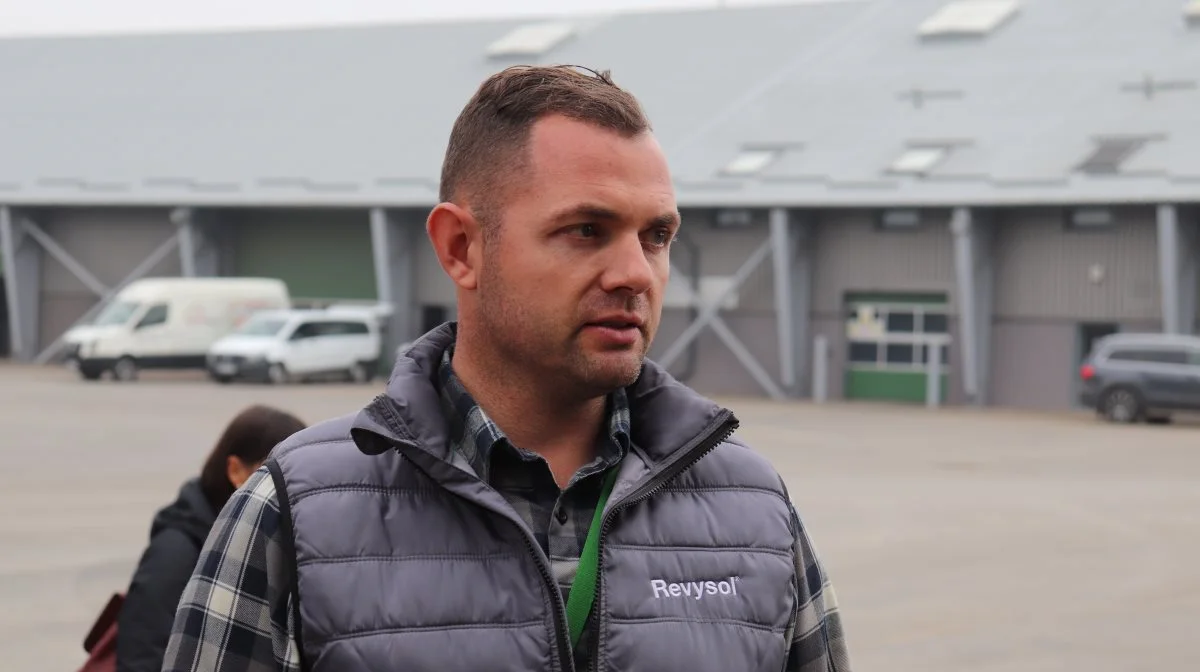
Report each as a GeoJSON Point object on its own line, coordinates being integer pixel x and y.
{"type": "Point", "coordinates": [360, 115]}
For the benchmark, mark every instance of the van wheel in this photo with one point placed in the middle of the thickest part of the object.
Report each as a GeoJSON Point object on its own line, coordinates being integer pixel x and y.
{"type": "Point", "coordinates": [277, 374]}
{"type": "Point", "coordinates": [1121, 404]}
{"type": "Point", "coordinates": [359, 373]}
{"type": "Point", "coordinates": [125, 369]}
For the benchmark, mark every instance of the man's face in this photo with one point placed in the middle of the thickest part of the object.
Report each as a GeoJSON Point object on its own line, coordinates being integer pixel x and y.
{"type": "Point", "coordinates": [573, 282]}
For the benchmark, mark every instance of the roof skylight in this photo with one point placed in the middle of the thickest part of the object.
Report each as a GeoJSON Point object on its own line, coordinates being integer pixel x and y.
{"type": "Point", "coordinates": [1109, 154]}
{"type": "Point", "coordinates": [968, 18]}
{"type": "Point", "coordinates": [750, 162]}
{"type": "Point", "coordinates": [918, 160]}
{"type": "Point", "coordinates": [531, 39]}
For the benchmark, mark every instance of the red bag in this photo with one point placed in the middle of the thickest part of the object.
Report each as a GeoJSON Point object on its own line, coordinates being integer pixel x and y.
{"type": "Point", "coordinates": [101, 641]}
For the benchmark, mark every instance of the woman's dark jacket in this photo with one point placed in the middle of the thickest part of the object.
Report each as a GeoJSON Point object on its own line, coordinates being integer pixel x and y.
{"type": "Point", "coordinates": [177, 534]}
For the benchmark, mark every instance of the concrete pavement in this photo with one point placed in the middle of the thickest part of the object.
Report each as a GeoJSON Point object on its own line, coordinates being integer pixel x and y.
{"type": "Point", "coordinates": [957, 539]}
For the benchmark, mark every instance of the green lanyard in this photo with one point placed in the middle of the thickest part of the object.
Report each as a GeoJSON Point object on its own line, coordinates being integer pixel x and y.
{"type": "Point", "coordinates": [583, 589]}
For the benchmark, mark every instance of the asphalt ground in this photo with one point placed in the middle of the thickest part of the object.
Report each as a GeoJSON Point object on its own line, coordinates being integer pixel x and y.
{"type": "Point", "coordinates": [957, 539]}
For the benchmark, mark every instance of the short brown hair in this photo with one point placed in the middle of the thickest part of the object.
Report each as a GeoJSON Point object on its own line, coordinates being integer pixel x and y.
{"type": "Point", "coordinates": [250, 436]}
{"type": "Point", "coordinates": [489, 137]}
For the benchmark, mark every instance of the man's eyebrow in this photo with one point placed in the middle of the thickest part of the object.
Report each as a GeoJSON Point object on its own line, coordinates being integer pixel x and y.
{"type": "Point", "coordinates": [601, 213]}
{"type": "Point", "coordinates": [669, 219]}
{"type": "Point", "coordinates": [586, 211]}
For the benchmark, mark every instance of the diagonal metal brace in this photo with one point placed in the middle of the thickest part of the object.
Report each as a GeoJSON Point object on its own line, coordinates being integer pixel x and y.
{"type": "Point", "coordinates": [63, 257]}
{"type": "Point", "coordinates": [147, 265]}
{"type": "Point", "coordinates": [709, 317]}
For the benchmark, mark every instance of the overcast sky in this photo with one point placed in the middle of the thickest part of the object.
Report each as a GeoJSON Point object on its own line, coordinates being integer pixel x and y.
{"type": "Point", "coordinates": [41, 17]}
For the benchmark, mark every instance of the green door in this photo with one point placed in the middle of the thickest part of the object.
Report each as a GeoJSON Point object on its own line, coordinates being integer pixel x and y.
{"type": "Point", "coordinates": [320, 254]}
{"type": "Point", "coordinates": [888, 340]}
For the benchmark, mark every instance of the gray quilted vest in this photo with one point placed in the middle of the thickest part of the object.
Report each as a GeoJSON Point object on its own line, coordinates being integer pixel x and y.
{"type": "Point", "coordinates": [404, 560]}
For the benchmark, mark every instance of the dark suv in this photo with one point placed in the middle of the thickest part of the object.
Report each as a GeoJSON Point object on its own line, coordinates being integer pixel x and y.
{"type": "Point", "coordinates": [1136, 377]}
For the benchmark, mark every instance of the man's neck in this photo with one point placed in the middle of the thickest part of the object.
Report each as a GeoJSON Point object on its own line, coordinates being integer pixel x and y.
{"type": "Point", "coordinates": [534, 418]}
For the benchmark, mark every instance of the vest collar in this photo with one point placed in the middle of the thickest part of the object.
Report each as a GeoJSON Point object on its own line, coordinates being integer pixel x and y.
{"type": "Point", "coordinates": [665, 414]}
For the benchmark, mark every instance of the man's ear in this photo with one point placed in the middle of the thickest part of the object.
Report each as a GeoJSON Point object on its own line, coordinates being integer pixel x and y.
{"type": "Point", "coordinates": [456, 240]}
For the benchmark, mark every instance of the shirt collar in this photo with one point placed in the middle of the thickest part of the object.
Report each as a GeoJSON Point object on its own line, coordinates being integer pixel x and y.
{"type": "Point", "coordinates": [475, 436]}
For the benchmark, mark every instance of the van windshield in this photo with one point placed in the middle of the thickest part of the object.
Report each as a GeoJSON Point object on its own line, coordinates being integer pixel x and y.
{"type": "Point", "coordinates": [117, 313]}
{"type": "Point", "coordinates": [261, 326]}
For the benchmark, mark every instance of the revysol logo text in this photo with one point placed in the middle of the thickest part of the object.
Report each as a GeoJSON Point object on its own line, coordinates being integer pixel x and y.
{"type": "Point", "coordinates": [694, 589]}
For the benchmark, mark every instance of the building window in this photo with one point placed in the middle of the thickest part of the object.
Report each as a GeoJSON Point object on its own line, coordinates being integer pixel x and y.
{"type": "Point", "coordinates": [901, 322]}
{"type": "Point", "coordinates": [864, 352]}
{"type": "Point", "coordinates": [935, 323]}
{"type": "Point", "coordinates": [900, 353]}
{"type": "Point", "coordinates": [893, 332]}
{"type": "Point", "coordinates": [925, 355]}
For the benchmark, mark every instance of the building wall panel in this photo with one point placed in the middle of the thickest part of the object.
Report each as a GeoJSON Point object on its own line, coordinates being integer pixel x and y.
{"type": "Point", "coordinates": [109, 243]}
{"type": "Point", "coordinates": [722, 251]}
{"type": "Point", "coordinates": [319, 253]}
{"type": "Point", "coordinates": [1044, 270]}
{"type": "Point", "coordinates": [5, 346]}
{"type": "Point", "coordinates": [1035, 363]}
{"type": "Point", "coordinates": [717, 371]}
{"type": "Point", "coordinates": [852, 255]}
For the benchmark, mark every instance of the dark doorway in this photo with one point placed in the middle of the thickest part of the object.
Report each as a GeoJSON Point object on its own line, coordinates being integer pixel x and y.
{"type": "Point", "coordinates": [5, 346]}
{"type": "Point", "coordinates": [1089, 333]}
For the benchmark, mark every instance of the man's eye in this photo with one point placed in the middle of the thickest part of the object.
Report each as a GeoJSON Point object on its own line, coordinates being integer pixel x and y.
{"type": "Point", "coordinates": [587, 230]}
{"type": "Point", "coordinates": [661, 237]}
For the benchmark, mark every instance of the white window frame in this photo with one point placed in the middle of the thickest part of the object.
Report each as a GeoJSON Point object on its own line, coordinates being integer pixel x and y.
{"type": "Point", "coordinates": [914, 338]}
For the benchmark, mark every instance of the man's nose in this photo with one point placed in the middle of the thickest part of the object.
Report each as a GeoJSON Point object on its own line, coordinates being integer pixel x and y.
{"type": "Point", "coordinates": [627, 268]}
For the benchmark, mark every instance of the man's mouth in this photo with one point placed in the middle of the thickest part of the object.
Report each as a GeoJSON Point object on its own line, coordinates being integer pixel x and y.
{"type": "Point", "coordinates": [618, 321]}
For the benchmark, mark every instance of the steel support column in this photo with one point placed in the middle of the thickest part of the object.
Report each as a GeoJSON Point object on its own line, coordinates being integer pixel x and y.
{"type": "Point", "coordinates": [791, 247]}
{"type": "Point", "coordinates": [199, 253]}
{"type": "Point", "coordinates": [974, 273]}
{"type": "Point", "coordinates": [394, 248]}
{"type": "Point", "coordinates": [1189, 273]}
{"type": "Point", "coordinates": [709, 317]}
{"type": "Point", "coordinates": [23, 284]}
{"type": "Point", "coordinates": [182, 218]}
{"type": "Point", "coordinates": [1177, 265]}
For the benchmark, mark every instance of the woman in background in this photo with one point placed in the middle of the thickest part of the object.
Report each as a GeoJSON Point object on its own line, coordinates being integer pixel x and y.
{"type": "Point", "coordinates": [179, 530]}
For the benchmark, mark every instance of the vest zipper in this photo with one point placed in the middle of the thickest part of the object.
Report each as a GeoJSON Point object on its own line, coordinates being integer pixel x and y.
{"type": "Point", "coordinates": [567, 663]}
{"type": "Point", "coordinates": [706, 442]}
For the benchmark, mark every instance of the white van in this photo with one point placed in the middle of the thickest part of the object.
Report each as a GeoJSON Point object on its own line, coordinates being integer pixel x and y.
{"type": "Point", "coordinates": [280, 346]}
{"type": "Point", "coordinates": [168, 323]}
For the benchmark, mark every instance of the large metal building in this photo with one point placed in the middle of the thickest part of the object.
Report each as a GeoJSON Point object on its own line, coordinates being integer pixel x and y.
{"type": "Point", "coordinates": [1012, 177]}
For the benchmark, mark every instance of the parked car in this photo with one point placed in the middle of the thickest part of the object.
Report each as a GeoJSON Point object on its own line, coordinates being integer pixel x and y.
{"type": "Point", "coordinates": [167, 323]}
{"type": "Point", "coordinates": [1142, 377]}
{"type": "Point", "coordinates": [282, 346]}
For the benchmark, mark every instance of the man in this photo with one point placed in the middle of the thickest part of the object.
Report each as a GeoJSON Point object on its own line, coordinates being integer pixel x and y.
{"type": "Point", "coordinates": [453, 524]}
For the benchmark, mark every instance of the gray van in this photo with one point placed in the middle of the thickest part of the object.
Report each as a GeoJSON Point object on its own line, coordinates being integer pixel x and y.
{"type": "Point", "coordinates": [1142, 377]}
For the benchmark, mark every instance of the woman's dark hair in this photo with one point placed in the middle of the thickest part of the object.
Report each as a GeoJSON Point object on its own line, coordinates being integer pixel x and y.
{"type": "Point", "coordinates": [250, 436]}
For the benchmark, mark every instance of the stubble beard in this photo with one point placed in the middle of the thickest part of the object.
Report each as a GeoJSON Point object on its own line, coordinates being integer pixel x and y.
{"type": "Point", "coordinates": [545, 351]}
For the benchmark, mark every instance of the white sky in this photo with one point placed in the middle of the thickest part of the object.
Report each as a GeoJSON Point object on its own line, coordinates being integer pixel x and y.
{"type": "Point", "coordinates": [61, 17]}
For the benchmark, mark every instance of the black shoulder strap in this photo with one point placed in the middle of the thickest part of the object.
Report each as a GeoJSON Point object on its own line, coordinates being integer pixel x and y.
{"type": "Point", "coordinates": [289, 553]}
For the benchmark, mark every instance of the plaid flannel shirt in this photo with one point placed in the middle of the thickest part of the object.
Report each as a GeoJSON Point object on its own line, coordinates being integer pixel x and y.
{"type": "Point", "coordinates": [235, 614]}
